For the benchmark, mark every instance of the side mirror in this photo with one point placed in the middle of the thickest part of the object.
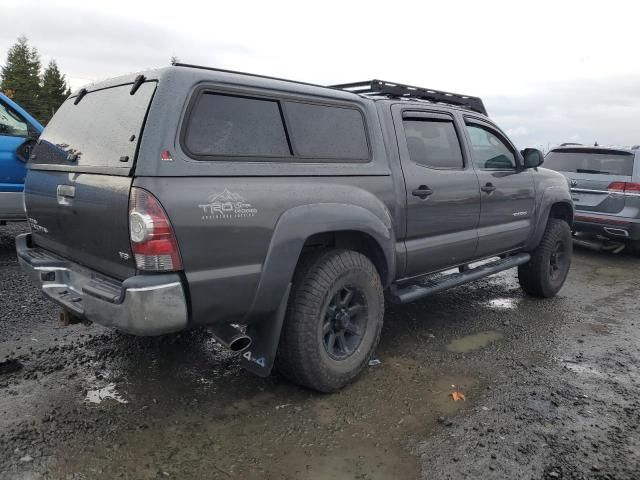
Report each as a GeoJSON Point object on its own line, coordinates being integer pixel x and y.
{"type": "Point", "coordinates": [23, 153]}
{"type": "Point", "coordinates": [532, 157]}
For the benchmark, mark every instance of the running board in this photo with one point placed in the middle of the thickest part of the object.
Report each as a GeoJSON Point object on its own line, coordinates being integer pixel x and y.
{"type": "Point", "coordinates": [438, 283]}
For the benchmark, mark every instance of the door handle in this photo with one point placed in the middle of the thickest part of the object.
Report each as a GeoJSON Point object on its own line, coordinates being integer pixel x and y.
{"type": "Point", "coordinates": [68, 191]}
{"type": "Point", "coordinates": [422, 192]}
{"type": "Point", "coordinates": [488, 188]}
{"type": "Point", "coordinates": [65, 194]}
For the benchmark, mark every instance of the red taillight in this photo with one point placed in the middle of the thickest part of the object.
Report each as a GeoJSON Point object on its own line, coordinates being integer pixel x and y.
{"type": "Point", "coordinates": [153, 242]}
{"type": "Point", "coordinates": [632, 187]}
{"type": "Point", "coordinates": [624, 187]}
{"type": "Point", "coordinates": [616, 187]}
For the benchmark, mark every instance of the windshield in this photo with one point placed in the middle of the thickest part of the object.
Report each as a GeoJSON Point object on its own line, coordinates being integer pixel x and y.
{"type": "Point", "coordinates": [102, 130]}
{"type": "Point", "coordinates": [606, 162]}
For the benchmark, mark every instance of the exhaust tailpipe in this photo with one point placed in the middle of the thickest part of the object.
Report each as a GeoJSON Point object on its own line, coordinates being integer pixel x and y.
{"type": "Point", "coordinates": [231, 337]}
{"type": "Point", "coordinates": [599, 245]}
{"type": "Point", "coordinates": [590, 244]}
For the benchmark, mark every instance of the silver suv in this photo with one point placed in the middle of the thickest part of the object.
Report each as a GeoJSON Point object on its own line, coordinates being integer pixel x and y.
{"type": "Point", "coordinates": [605, 187]}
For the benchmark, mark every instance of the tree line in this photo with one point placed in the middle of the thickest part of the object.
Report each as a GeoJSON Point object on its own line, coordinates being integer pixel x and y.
{"type": "Point", "coordinates": [40, 92]}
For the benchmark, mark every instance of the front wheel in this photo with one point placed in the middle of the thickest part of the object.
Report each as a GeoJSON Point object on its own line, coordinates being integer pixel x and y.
{"type": "Point", "coordinates": [333, 321]}
{"type": "Point", "coordinates": [549, 266]}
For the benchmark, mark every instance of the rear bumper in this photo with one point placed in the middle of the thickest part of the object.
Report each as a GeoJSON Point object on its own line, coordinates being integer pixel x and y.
{"type": "Point", "coordinates": [610, 226]}
{"type": "Point", "coordinates": [140, 305]}
{"type": "Point", "coordinates": [11, 207]}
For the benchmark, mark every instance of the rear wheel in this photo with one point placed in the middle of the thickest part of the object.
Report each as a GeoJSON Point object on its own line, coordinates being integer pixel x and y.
{"type": "Point", "coordinates": [549, 266]}
{"type": "Point", "coordinates": [635, 248]}
{"type": "Point", "coordinates": [333, 321]}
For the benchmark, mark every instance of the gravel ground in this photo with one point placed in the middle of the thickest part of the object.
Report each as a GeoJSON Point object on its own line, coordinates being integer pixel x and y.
{"type": "Point", "coordinates": [551, 391]}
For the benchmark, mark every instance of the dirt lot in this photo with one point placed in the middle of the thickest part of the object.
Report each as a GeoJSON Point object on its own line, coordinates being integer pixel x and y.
{"type": "Point", "coordinates": [551, 392]}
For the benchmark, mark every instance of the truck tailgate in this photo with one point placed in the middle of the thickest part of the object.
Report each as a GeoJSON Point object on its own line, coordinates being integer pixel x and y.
{"type": "Point", "coordinates": [82, 217]}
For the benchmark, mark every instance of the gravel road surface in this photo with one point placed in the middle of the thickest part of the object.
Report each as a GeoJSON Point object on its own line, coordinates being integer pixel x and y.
{"type": "Point", "coordinates": [551, 391]}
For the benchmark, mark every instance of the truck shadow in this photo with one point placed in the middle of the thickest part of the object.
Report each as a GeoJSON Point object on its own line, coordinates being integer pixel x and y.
{"type": "Point", "coordinates": [191, 364]}
{"type": "Point", "coordinates": [588, 252]}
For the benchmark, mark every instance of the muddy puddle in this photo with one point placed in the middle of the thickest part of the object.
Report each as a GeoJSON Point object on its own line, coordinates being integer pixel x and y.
{"type": "Point", "coordinates": [473, 342]}
{"type": "Point", "coordinates": [108, 392]}
{"type": "Point", "coordinates": [503, 303]}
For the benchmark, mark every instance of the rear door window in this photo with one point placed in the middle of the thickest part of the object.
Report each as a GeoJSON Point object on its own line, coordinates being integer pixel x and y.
{"type": "Point", "coordinates": [596, 161]}
{"type": "Point", "coordinates": [433, 144]}
{"type": "Point", "coordinates": [327, 132]}
{"type": "Point", "coordinates": [229, 125]}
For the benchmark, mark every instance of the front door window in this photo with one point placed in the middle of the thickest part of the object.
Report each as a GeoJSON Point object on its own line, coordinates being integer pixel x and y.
{"type": "Point", "coordinates": [490, 152]}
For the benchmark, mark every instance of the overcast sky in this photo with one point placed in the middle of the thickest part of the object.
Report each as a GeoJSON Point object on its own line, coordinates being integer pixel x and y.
{"type": "Point", "coordinates": [549, 71]}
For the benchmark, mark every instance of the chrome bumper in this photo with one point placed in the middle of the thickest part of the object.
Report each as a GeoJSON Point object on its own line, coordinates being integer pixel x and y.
{"type": "Point", "coordinates": [140, 305]}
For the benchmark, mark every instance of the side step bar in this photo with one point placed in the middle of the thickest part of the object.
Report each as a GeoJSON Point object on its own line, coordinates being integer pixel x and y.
{"type": "Point", "coordinates": [438, 283]}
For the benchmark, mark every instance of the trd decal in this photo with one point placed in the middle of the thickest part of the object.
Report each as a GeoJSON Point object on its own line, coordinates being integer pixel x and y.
{"type": "Point", "coordinates": [226, 205]}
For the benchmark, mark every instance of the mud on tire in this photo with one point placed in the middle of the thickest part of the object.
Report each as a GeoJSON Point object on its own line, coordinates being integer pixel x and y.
{"type": "Point", "coordinates": [333, 320]}
{"type": "Point", "coordinates": [549, 266]}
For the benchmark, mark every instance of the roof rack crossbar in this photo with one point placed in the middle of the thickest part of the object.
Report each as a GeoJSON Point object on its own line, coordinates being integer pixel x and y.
{"type": "Point", "coordinates": [398, 90]}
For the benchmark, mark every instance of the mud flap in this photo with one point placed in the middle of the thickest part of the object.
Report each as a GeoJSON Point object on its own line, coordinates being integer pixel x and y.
{"type": "Point", "coordinates": [265, 335]}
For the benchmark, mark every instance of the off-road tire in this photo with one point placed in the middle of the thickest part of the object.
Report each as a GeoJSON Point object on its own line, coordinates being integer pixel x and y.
{"type": "Point", "coordinates": [303, 356]}
{"type": "Point", "coordinates": [539, 277]}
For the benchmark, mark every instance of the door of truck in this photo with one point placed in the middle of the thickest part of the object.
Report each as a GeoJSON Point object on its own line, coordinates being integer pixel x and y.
{"type": "Point", "coordinates": [442, 190]}
{"type": "Point", "coordinates": [508, 190]}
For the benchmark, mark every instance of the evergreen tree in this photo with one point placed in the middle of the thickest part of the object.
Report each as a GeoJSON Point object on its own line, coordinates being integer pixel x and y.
{"type": "Point", "coordinates": [20, 76]}
{"type": "Point", "coordinates": [53, 92]}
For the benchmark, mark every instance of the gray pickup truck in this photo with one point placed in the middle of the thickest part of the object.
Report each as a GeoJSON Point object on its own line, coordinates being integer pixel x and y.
{"type": "Point", "coordinates": [280, 214]}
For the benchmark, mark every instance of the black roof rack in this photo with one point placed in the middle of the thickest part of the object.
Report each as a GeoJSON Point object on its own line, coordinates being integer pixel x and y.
{"type": "Point", "coordinates": [398, 90]}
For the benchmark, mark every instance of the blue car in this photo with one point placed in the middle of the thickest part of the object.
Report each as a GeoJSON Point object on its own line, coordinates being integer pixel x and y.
{"type": "Point", "coordinates": [18, 133]}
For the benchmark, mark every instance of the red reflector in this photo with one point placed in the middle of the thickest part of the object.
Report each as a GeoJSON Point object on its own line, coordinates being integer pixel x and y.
{"type": "Point", "coordinates": [153, 242]}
